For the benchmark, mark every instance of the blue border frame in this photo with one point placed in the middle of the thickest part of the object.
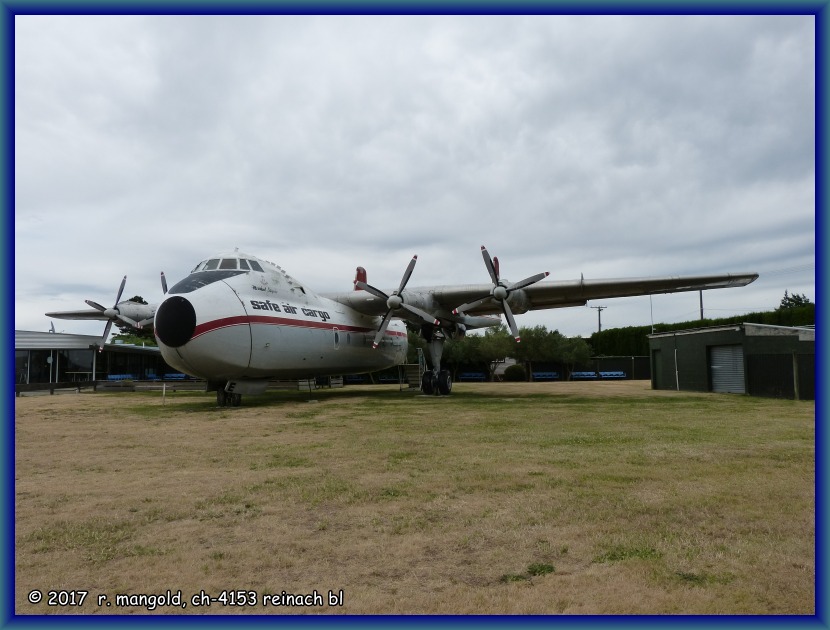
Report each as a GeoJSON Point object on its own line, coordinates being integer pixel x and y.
{"type": "Point", "coordinates": [10, 8]}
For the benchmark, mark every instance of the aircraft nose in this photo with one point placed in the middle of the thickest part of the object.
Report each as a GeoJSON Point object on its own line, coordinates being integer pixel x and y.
{"type": "Point", "coordinates": [175, 321]}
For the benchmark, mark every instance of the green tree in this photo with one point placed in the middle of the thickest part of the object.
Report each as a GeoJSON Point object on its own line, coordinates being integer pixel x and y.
{"type": "Point", "coordinates": [793, 301]}
{"type": "Point", "coordinates": [414, 341]}
{"type": "Point", "coordinates": [575, 351]}
{"type": "Point", "coordinates": [538, 345]}
{"type": "Point", "coordinates": [459, 352]}
{"type": "Point", "coordinates": [495, 346]}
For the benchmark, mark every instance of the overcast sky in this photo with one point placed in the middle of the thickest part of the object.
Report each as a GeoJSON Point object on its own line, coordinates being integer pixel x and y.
{"type": "Point", "coordinates": [603, 146]}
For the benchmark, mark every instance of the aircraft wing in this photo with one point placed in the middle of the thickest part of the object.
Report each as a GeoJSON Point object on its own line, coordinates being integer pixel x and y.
{"type": "Point", "coordinates": [89, 314]}
{"type": "Point", "coordinates": [131, 313]}
{"type": "Point", "coordinates": [440, 301]}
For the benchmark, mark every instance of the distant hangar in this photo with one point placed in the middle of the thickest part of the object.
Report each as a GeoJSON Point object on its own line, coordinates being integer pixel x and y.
{"type": "Point", "coordinates": [754, 359]}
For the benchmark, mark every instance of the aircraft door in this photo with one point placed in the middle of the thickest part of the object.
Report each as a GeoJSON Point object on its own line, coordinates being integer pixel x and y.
{"type": "Point", "coordinates": [266, 344]}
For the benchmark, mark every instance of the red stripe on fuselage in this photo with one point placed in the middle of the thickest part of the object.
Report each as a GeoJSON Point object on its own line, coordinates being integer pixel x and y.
{"type": "Point", "coordinates": [243, 320]}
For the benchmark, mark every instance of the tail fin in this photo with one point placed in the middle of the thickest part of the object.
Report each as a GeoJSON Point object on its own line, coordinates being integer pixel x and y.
{"type": "Point", "coordinates": [360, 276]}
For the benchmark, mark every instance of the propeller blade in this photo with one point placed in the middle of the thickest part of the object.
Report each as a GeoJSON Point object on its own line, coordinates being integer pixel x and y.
{"type": "Point", "coordinates": [407, 274]}
{"type": "Point", "coordinates": [163, 283]}
{"type": "Point", "coordinates": [470, 305]}
{"type": "Point", "coordinates": [429, 319]}
{"type": "Point", "coordinates": [106, 334]}
{"type": "Point", "coordinates": [120, 291]}
{"type": "Point", "coordinates": [382, 330]}
{"type": "Point", "coordinates": [511, 321]}
{"type": "Point", "coordinates": [95, 305]}
{"type": "Point", "coordinates": [129, 321]}
{"type": "Point", "coordinates": [494, 276]}
{"type": "Point", "coordinates": [521, 284]}
{"type": "Point", "coordinates": [370, 289]}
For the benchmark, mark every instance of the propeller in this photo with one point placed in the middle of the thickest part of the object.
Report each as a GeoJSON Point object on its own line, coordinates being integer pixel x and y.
{"type": "Point", "coordinates": [395, 302]}
{"type": "Point", "coordinates": [501, 291]}
{"type": "Point", "coordinates": [113, 314]}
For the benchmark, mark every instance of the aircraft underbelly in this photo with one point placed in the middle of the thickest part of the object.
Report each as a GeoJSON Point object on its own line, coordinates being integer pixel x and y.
{"type": "Point", "coordinates": [286, 351]}
{"type": "Point", "coordinates": [221, 354]}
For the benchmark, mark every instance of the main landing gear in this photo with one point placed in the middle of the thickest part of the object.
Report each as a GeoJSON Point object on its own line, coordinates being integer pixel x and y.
{"type": "Point", "coordinates": [432, 383]}
{"type": "Point", "coordinates": [435, 381]}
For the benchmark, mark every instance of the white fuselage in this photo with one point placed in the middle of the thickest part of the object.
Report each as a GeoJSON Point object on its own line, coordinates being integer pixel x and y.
{"type": "Point", "coordinates": [244, 324]}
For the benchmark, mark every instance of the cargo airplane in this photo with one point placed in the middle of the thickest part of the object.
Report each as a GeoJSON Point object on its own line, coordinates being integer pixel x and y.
{"type": "Point", "coordinates": [238, 321]}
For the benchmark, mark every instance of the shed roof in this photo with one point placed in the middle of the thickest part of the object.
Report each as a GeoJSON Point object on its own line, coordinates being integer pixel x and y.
{"type": "Point", "coordinates": [31, 340]}
{"type": "Point", "coordinates": [804, 333]}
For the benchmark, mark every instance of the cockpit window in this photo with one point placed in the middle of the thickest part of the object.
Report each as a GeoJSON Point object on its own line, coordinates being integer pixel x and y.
{"type": "Point", "coordinates": [227, 264]}
{"type": "Point", "coordinates": [201, 279]}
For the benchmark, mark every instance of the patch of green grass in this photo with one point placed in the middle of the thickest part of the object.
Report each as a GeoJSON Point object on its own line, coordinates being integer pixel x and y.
{"type": "Point", "coordinates": [391, 493]}
{"type": "Point", "coordinates": [537, 569]}
{"type": "Point", "coordinates": [280, 457]}
{"type": "Point", "coordinates": [227, 504]}
{"type": "Point", "coordinates": [620, 553]}
{"type": "Point", "coordinates": [703, 578]}
{"type": "Point", "coordinates": [100, 540]}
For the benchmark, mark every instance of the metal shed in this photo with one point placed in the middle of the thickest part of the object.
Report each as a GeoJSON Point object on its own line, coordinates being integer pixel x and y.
{"type": "Point", "coordinates": [754, 359]}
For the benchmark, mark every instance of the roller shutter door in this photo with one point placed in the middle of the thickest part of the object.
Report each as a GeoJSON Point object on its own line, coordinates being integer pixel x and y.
{"type": "Point", "coordinates": [726, 365]}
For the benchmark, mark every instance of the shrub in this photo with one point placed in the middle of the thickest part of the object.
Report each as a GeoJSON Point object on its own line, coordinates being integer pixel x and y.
{"type": "Point", "coordinates": [515, 373]}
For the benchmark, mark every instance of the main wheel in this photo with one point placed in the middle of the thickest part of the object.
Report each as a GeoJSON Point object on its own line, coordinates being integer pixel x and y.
{"type": "Point", "coordinates": [428, 383]}
{"type": "Point", "coordinates": [444, 382]}
{"type": "Point", "coordinates": [221, 398]}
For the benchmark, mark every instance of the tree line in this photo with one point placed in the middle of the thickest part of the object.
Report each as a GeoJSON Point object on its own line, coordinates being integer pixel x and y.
{"type": "Point", "coordinates": [795, 310]}
{"type": "Point", "coordinates": [484, 353]}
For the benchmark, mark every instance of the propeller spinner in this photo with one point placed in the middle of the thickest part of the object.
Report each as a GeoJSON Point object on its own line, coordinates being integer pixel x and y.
{"type": "Point", "coordinates": [501, 291]}
{"type": "Point", "coordinates": [396, 302]}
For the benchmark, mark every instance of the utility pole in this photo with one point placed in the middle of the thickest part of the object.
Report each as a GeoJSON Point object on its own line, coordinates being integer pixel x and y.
{"type": "Point", "coordinates": [599, 317]}
{"type": "Point", "coordinates": [701, 305]}
{"type": "Point", "coordinates": [599, 323]}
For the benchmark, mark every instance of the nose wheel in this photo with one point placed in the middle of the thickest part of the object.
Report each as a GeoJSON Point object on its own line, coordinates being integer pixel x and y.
{"type": "Point", "coordinates": [224, 399]}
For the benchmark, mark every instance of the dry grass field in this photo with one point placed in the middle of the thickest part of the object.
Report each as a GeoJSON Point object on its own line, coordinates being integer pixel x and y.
{"type": "Point", "coordinates": [548, 498]}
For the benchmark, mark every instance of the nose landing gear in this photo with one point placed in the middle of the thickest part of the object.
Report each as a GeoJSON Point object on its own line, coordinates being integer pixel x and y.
{"type": "Point", "coordinates": [225, 399]}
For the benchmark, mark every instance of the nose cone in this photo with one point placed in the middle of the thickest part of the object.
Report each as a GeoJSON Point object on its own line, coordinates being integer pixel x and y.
{"type": "Point", "coordinates": [175, 321]}
{"type": "Point", "coordinates": [206, 334]}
